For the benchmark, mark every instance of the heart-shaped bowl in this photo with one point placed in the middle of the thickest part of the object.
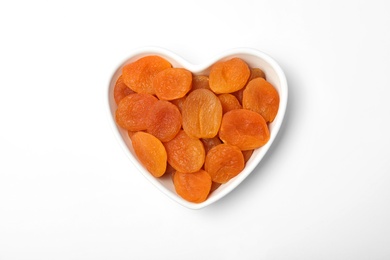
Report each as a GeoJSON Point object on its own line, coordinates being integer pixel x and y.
{"type": "Point", "coordinates": [255, 59]}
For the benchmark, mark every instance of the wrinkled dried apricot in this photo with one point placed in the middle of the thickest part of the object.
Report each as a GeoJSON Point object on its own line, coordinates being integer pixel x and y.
{"type": "Point", "coordinates": [202, 114]}
{"type": "Point", "coordinates": [121, 90]}
{"type": "Point", "coordinates": [179, 103]}
{"type": "Point", "coordinates": [200, 81]}
{"type": "Point", "coordinates": [224, 162]}
{"type": "Point", "coordinates": [244, 128]}
{"type": "Point", "coordinates": [229, 102]}
{"type": "Point", "coordinates": [151, 153]}
{"type": "Point", "coordinates": [139, 74]}
{"type": "Point", "coordinates": [194, 187]}
{"type": "Point", "coordinates": [228, 76]}
{"type": "Point", "coordinates": [209, 143]}
{"type": "Point", "coordinates": [165, 120]}
{"type": "Point", "coordinates": [260, 96]}
{"type": "Point", "coordinates": [239, 94]}
{"type": "Point", "coordinates": [172, 83]}
{"type": "Point", "coordinates": [133, 111]}
{"type": "Point", "coordinates": [256, 73]}
{"type": "Point", "coordinates": [185, 154]}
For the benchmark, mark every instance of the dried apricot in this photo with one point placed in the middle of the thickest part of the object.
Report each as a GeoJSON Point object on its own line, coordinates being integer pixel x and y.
{"type": "Point", "coordinates": [194, 187]}
{"type": "Point", "coordinates": [260, 96]}
{"type": "Point", "coordinates": [224, 162]}
{"type": "Point", "coordinates": [244, 128]}
{"type": "Point", "coordinates": [165, 120]}
{"type": "Point", "coordinates": [172, 83]}
{"type": "Point", "coordinates": [139, 74]}
{"type": "Point", "coordinates": [229, 102]}
{"type": "Point", "coordinates": [228, 76]}
{"type": "Point", "coordinates": [179, 103]}
{"type": "Point", "coordinates": [200, 81]}
{"type": "Point", "coordinates": [238, 94]}
{"type": "Point", "coordinates": [209, 143]}
{"type": "Point", "coordinates": [202, 114]}
{"type": "Point", "coordinates": [133, 111]}
{"type": "Point", "coordinates": [256, 73]}
{"type": "Point", "coordinates": [121, 90]}
{"type": "Point", "coordinates": [151, 153]}
{"type": "Point", "coordinates": [185, 154]}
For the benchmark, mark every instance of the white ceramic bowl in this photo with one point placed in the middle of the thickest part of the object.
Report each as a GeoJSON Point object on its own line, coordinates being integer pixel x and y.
{"type": "Point", "coordinates": [254, 58]}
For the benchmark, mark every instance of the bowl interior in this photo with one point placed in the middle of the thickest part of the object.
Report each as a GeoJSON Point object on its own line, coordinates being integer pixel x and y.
{"type": "Point", "coordinates": [254, 58]}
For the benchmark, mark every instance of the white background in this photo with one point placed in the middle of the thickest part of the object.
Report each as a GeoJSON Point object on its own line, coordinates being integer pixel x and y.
{"type": "Point", "coordinates": [67, 190]}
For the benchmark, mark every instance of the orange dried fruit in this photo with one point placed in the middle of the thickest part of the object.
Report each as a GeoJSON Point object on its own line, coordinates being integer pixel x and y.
{"type": "Point", "coordinates": [194, 187]}
{"type": "Point", "coordinates": [239, 94]}
{"type": "Point", "coordinates": [179, 103]}
{"type": "Point", "coordinates": [172, 83]}
{"type": "Point", "coordinates": [228, 76]}
{"type": "Point", "coordinates": [121, 90]}
{"type": "Point", "coordinates": [139, 74]}
{"type": "Point", "coordinates": [165, 120]}
{"type": "Point", "coordinates": [244, 128]}
{"type": "Point", "coordinates": [133, 111]}
{"type": "Point", "coordinates": [260, 96]}
{"type": "Point", "coordinates": [229, 102]}
{"type": "Point", "coordinates": [150, 152]}
{"type": "Point", "coordinates": [185, 154]}
{"type": "Point", "coordinates": [209, 143]}
{"type": "Point", "coordinates": [200, 81]}
{"type": "Point", "coordinates": [223, 162]}
{"type": "Point", "coordinates": [202, 114]}
{"type": "Point", "coordinates": [256, 73]}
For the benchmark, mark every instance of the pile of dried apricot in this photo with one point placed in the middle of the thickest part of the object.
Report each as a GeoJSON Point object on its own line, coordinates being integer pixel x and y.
{"type": "Point", "coordinates": [201, 129]}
